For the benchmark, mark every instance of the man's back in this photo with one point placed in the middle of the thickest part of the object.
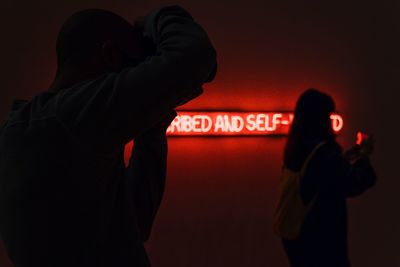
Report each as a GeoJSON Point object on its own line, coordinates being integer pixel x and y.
{"type": "Point", "coordinates": [55, 192]}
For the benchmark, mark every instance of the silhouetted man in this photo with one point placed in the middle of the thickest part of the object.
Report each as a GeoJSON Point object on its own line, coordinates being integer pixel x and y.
{"type": "Point", "coordinates": [66, 198]}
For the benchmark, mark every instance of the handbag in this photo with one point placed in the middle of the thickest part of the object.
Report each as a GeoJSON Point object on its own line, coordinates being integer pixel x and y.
{"type": "Point", "coordinates": [291, 211]}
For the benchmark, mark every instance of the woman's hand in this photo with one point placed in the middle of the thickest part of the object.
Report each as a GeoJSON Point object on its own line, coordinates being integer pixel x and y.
{"type": "Point", "coordinates": [362, 150]}
{"type": "Point", "coordinates": [367, 146]}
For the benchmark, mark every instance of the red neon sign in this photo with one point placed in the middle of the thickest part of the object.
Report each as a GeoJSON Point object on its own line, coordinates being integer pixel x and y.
{"type": "Point", "coordinates": [212, 123]}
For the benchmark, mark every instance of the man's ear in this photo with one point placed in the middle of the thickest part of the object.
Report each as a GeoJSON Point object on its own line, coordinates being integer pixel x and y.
{"type": "Point", "coordinates": [112, 57]}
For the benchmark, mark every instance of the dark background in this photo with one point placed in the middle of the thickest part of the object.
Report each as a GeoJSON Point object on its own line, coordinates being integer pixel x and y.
{"type": "Point", "coordinates": [220, 193]}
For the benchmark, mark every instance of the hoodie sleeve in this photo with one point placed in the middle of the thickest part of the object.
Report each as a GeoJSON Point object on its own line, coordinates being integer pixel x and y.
{"type": "Point", "coordinates": [145, 177]}
{"type": "Point", "coordinates": [348, 179]}
{"type": "Point", "coordinates": [146, 173]}
{"type": "Point", "coordinates": [358, 177]}
{"type": "Point", "coordinates": [114, 108]}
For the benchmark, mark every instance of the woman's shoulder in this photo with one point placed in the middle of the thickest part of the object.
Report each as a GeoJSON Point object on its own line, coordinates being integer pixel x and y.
{"type": "Point", "coordinates": [328, 153]}
{"type": "Point", "coordinates": [316, 151]}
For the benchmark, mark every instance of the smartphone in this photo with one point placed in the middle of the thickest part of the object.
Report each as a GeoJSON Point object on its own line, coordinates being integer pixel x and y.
{"type": "Point", "coordinates": [361, 137]}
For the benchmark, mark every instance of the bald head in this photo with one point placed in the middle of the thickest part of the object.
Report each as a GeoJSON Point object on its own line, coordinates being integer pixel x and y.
{"type": "Point", "coordinates": [84, 35]}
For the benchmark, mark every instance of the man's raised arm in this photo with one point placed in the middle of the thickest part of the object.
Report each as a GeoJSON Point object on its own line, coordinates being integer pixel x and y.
{"type": "Point", "coordinates": [120, 106]}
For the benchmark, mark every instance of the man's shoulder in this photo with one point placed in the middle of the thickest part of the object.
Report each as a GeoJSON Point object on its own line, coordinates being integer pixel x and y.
{"type": "Point", "coordinates": [40, 106]}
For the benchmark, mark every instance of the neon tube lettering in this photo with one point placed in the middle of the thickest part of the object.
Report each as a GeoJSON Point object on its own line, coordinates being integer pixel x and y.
{"type": "Point", "coordinates": [200, 123]}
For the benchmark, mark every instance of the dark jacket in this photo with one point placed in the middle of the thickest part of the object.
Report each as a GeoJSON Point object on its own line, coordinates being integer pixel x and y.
{"type": "Point", "coordinates": [61, 154]}
{"type": "Point", "coordinates": [331, 179]}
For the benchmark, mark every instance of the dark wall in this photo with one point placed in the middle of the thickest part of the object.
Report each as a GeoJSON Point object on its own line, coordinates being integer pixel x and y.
{"type": "Point", "coordinates": [220, 194]}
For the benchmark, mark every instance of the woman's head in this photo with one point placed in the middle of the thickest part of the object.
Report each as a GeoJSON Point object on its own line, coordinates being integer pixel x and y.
{"type": "Point", "coordinates": [312, 113]}
{"type": "Point", "coordinates": [311, 122]}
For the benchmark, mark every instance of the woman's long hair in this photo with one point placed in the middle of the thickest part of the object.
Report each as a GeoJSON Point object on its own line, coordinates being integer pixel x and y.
{"type": "Point", "coordinates": [311, 124]}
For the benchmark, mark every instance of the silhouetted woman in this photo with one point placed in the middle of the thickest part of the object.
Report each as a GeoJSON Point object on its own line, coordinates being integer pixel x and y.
{"type": "Point", "coordinates": [311, 216]}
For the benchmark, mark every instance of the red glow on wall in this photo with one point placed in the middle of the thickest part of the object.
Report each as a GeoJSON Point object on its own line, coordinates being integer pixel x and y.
{"type": "Point", "coordinates": [221, 123]}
